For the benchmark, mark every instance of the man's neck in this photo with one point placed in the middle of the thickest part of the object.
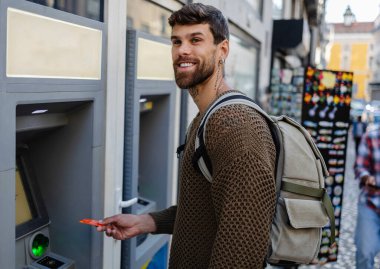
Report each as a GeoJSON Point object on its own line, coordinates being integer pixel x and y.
{"type": "Point", "coordinates": [204, 95]}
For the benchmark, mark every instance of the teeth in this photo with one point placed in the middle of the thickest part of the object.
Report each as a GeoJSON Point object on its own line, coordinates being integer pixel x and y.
{"type": "Point", "coordinates": [185, 64]}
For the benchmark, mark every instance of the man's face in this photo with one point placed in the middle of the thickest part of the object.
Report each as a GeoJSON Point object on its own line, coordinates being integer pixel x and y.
{"type": "Point", "coordinates": [193, 53]}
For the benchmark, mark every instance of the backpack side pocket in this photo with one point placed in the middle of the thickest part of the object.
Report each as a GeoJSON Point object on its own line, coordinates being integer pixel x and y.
{"type": "Point", "coordinates": [298, 222]}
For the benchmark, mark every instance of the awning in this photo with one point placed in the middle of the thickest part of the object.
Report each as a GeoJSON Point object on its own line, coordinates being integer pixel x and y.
{"type": "Point", "coordinates": [292, 35]}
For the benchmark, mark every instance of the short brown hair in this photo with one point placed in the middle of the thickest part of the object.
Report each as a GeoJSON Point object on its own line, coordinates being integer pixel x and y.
{"type": "Point", "coordinates": [198, 13]}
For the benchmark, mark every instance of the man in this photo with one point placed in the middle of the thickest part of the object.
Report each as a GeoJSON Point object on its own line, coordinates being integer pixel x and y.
{"type": "Point", "coordinates": [226, 223]}
{"type": "Point", "coordinates": [367, 170]}
{"type": "Point", "coordinates": [358, 129]}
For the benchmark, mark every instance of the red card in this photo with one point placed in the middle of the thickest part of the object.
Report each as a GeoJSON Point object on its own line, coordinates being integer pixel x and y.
{"type": "Point", "coordinates": [91, 222]}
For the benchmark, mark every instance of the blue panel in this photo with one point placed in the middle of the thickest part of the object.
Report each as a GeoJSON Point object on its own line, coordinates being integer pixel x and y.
{"type": "Point", "coordinates": [160, 259]}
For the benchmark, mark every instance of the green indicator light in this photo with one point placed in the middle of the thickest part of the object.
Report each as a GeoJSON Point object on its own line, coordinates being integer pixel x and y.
{"type": "Point", "coordinates": [39, 245]}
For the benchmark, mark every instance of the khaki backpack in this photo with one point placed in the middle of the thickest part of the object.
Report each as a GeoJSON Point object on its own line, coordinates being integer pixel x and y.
{"type": "Point", "coordinates": [303, 206]}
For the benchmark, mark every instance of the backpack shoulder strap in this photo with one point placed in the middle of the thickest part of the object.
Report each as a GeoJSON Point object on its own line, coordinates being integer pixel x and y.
{"type": "Point", "coordinates": [201, 159]}
{"type": "Point", "coordinates": [181, 147]}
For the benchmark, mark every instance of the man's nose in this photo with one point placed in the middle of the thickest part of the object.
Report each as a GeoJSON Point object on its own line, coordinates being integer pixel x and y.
{"type": "Point", "coordinates": [184, 49]}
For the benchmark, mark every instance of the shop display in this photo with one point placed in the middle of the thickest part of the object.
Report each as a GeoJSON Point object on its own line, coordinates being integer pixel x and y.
{"type": "Point", "coordinates": [286, 89]}
{"type": "Point", "coordinates": [325, 114]}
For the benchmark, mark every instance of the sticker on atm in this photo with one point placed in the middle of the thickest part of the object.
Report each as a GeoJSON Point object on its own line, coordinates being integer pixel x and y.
{"type": "Point", "coordinates": [91, 222]}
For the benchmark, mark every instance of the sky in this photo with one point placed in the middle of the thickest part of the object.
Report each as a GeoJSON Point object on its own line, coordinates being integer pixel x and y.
{"type": "Point", "coordinates": [364, 10]}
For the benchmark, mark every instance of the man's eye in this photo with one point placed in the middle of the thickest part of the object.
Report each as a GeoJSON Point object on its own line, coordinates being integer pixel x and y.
{"type": "Point", "coordinates": [176, 42]}
{"type": "Point", "coordinates": [195, 40]}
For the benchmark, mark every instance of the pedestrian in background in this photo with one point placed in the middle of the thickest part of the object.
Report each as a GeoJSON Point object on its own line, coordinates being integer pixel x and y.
{"type": "Point", "coordinates": [226, 223]}
{"type": "Point", "coordinates": [358, 129]}
{"type": "Point", "coordinates": [367, 170]}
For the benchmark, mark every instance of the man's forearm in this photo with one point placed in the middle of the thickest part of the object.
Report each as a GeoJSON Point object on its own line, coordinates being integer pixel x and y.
{"type": "Point", "coordinates": [164, 220]}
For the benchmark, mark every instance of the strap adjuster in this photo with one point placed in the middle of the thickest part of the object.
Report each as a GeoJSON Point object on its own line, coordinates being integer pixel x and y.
{"type": "Point", "coordinates": [180, 149]}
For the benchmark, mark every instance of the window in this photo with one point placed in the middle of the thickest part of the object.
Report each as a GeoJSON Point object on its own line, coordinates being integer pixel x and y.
{"type": "Point", "coordinates": [164, 24]}
{"type": "Point", "coordinates": [130, 22]}
{"type": "Point", "coordinates": [257, 7]}
{"type": "Point", "coordinates": [145, 28]}
{"type": "Point", "coordinates": [345, 63]}
{"type": "Point", "coordinates": [92, 9]}
{"type": "Point", "coordinates": [278, 9]}
{"type": "Point", "coordinates": [242, 62]}
{"type": "Point", "coordinates": [149, 17]}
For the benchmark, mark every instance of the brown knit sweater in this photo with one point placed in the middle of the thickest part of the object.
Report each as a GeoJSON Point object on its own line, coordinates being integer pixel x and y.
{"type": "Point", "coordinates": [226, 223]}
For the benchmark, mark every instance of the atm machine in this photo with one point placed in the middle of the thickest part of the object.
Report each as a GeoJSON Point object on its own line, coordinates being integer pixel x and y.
{"type": "Point", "coordinates": [151, 135]}
{"type": "Point", "coordinates": [52, 106]}
{"type": "Point", "coordinates": [54, 185]}
{"type": "Point", "coordinates": [33, 243]}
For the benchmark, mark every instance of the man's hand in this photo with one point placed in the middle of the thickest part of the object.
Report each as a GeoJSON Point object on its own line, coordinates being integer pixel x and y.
{"type": "Point", "coordinates": [124, 226]}
{"type": "Point", "coordinates": [368, 180]}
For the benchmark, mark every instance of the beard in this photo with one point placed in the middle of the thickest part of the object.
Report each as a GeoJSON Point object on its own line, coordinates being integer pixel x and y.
{"type": "Point", "coordinates": [188, 80]}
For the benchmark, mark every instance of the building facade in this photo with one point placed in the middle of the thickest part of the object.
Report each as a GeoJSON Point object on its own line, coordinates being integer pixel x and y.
{"type": "Point", "coordinates": [375, 63]}
{"type": "Point", "coordinates": [351, 49]}
{"type": "Point", "coordinates": [296, 40]}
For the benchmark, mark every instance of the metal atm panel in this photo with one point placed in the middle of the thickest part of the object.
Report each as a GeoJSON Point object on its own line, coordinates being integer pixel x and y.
{"type": "Point", "coordinates": [53, 160]}
{"type": "Point", "coordinates": [149, 160]}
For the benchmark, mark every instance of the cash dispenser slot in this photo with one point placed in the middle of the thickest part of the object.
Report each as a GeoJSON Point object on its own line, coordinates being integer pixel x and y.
{"type": "Point", "coordinates": [54, 187]}
{"type": "Point", "coordinates": [153, 149]}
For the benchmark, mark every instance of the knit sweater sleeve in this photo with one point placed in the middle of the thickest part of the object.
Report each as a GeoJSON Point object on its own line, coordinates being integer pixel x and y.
{"type": "Point", "coordinates": [242, 153]}
{"type": "Point", "coordinates": [164, 220]}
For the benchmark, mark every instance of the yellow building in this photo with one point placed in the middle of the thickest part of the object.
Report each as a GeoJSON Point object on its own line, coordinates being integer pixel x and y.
{"type": "Point", "coordinates": [351, 49]}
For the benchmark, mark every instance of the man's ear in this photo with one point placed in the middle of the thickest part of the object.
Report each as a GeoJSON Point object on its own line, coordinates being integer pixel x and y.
{"type": "Point", "coordinates": [224, 49]}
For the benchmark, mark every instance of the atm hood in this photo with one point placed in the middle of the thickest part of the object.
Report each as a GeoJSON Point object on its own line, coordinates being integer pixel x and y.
{"type": "Point", "coordinates": [293, 36]}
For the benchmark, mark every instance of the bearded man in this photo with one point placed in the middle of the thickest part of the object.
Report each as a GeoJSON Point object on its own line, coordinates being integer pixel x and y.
{"type": "Point", "coordinates": [226, 223]}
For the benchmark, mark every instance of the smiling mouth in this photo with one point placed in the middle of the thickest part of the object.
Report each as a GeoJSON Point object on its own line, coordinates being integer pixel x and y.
{"type": "Point", "coordinates": [186, 64]}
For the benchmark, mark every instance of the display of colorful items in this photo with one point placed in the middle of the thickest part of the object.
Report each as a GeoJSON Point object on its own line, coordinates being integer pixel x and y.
{"type": "Point", "coordinates": [325, 114]}
{"type": "Point", "coordinates": [286, 89]}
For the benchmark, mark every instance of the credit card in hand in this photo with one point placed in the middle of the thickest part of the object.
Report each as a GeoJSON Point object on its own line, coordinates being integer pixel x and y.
{"type": "Point", "coordinates": [91, 222]}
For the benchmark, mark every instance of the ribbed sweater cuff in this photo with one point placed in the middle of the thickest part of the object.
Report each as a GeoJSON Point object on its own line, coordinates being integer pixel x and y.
{"type": "Point", "coordinates": [164, 220]}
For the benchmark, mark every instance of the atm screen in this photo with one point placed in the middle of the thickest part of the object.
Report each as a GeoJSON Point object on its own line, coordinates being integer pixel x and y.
{"type": "Point", "coordinates": [23, 210]}
{"type": "Point", "coordinates": [31, 213]}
